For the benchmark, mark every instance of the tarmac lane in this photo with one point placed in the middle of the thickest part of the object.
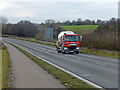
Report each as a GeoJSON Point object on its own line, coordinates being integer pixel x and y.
{"type": "Point", "coordinates": [99, 70]}
{"type": "Point", "coordinates": [28, 74]}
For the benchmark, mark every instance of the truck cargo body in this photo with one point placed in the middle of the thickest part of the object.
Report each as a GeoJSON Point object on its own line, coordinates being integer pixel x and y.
{"type": "Point", "coordinates": [67, 42]}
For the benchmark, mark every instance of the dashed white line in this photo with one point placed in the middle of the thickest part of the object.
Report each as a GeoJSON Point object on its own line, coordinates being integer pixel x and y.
{"type": "Point", "coordinates": [101, 64]}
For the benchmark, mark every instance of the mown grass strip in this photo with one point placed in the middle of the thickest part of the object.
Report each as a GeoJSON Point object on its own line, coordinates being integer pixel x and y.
{"type": "Point", "coordinates": [81, 51]}
{"type": "Point", "coordinates": [99, 53]}
{"type": "Point", "coordinates": [32, 38]}
{"type": "Point", "coordinates": [65, 78]}
{"type": "Point", "coordinates": [5, 68]}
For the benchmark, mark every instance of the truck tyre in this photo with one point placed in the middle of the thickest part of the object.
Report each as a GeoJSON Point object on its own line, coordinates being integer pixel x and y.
{"type": "Point", "coordinates": [77, 52]}
{"type": "Point", "coordinates": [59, 51]}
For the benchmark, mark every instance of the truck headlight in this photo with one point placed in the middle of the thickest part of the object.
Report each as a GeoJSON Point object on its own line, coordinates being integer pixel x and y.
{"type": "Point", "coordinates": [65, 48]}
{"type": "Point", "coordinates": [77, 47]}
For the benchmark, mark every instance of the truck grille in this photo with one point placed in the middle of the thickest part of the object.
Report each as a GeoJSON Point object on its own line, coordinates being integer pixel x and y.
{"type": "Point", "coordinates": [72, 47]}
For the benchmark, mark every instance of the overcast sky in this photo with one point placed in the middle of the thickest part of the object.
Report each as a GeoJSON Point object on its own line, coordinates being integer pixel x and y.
{"type": "Point", "coordinates": [39, 11]}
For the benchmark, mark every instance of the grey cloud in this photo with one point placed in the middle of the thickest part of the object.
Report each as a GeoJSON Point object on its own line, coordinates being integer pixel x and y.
{"type": "Point", "coordinates": [60, 11]}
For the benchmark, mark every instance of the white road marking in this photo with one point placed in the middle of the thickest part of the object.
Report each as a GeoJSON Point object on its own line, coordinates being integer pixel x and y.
{"type": "Point", "coordinates": [42, 56]}
{"type": "Point", "coordinates": [86, 75]}
{"type": "Point", "coordinates": [101, 64]}
{"type": "Point", "coordinates": [88, 82]}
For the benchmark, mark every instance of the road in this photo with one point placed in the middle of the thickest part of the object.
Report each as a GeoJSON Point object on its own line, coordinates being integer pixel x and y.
{"type": "Point", "coordinates": [27, 74]}
{"type": "Point", "coordinates": [99, 70]}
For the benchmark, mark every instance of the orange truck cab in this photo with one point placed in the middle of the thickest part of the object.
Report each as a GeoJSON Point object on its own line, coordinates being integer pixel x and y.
{"type": "Point", "coordinates": [68, 42]}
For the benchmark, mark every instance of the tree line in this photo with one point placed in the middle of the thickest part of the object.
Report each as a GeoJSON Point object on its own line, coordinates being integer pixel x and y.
{"type": "Point", "coordinates": [79, 21]}
{"type": "Point", "coordinates": [104, 37]}
{"type": "Point", "coordinates": [28, 29]}
{"type": "Point", "coordinates": [22, 29]}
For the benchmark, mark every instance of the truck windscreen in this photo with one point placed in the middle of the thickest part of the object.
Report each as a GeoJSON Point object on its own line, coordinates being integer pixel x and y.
{"type": "Point", "coordinates": [71, 38]}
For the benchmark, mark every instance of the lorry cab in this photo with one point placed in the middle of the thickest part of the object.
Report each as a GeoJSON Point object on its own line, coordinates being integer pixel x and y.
{"type": "Point", "coordinates": [68, 42]}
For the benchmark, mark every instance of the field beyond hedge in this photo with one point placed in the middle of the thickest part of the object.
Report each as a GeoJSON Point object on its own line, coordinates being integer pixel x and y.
{"type": "Point", "coordinates": [80, 27]}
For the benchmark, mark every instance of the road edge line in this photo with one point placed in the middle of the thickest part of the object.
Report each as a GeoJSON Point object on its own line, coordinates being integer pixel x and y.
{"type": "Point", "coordinates": [80, 78]}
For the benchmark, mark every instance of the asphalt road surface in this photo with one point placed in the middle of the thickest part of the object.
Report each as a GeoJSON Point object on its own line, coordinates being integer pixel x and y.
{"type": "Point", "coordinates": [99, 70]}
{"type": "Point", "coordinates": [27, 74]}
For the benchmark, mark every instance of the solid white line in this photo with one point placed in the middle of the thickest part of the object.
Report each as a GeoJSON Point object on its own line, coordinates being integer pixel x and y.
{"type": "Point", "coordinates": [100, 64]}
{"type": "Point", "coordinates": [88, 82]}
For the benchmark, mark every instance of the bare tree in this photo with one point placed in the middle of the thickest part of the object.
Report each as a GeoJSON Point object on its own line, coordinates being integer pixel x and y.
{"type": "Point", "coordinates": [49, 21]}
{"type": "Point", "coordinates": [3, 20]}
{"type": "Point", "coordinates": [99, 21]}
{"type": "Point", "coordinates": [68, 22]}
{"type": "Point", "coordinates": [22, 28]}
{"type": "Point", "coordinates": [79, 21]}
{"type": "Point", "coordinates": [88, 22]}
{"type": "Point", "coordinates": [73, 22]}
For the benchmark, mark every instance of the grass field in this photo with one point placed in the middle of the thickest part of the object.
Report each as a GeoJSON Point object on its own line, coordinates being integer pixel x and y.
{"type": "Point", "coordinates": [32, 38]}
{"type": "Point", "coordinates": [80, 27]}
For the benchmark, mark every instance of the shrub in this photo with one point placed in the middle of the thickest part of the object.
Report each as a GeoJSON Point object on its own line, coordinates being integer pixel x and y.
{"type": "Point", "coordinates": [106, 41]}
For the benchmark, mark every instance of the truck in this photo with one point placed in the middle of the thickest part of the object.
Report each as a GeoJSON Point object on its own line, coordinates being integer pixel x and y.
{"type": "Point", "coordinates": [68, 42]}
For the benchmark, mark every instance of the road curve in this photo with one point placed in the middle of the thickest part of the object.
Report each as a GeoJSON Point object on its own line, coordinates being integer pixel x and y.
{"type": "Point", "coordinates": [99, 70]}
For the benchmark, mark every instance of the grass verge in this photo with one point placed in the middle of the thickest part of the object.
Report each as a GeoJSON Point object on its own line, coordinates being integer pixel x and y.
{"type": "Point", "coordinates": [47, 44]}
{"type": "Point", "coordinates": [100, 53]}
{"type": "Point", "coordinates": [65, 78]}
{"type": "Point", "coordinates": [88, 51]}
{"type": "Point", "coordinates": [5, 68]}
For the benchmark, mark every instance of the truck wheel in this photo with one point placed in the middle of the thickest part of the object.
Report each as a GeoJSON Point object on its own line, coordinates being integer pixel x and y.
{"type": "Point", "coordinates": [77, 52]}
{"type": "Point", "coordinates": [59, 51]}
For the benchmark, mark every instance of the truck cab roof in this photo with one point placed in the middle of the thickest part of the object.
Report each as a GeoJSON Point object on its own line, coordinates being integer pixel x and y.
{"type": "Point", "coordinates": [70, 35]}
{"type": "Point", "coordinates": [66, 32]}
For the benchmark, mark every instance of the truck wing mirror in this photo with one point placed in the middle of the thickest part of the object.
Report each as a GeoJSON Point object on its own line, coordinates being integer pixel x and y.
{"type": "Point", "coordinates": [81, 38]}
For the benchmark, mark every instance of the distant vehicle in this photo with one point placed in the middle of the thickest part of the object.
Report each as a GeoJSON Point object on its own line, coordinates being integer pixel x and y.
{"type": "Point", "coordinates": [68, 42]}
